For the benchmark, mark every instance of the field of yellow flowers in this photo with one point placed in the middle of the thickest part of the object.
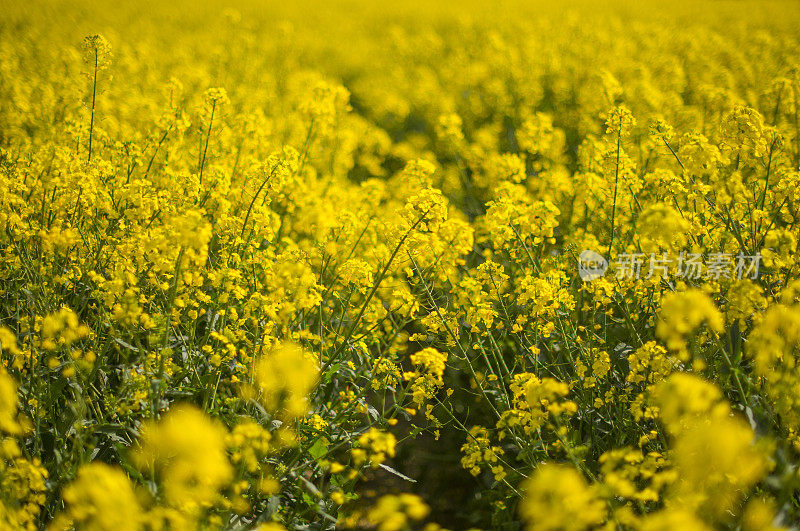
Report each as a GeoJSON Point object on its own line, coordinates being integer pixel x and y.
{"type": "Point", "coordinates": [411, 265]}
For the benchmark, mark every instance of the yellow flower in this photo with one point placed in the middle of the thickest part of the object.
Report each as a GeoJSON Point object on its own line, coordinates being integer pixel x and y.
{"type": "Point", "coordinates": [684, 398]}
{"type": "Point", "coordinates": [248, 443]}
{"type": "Point", "coordinates": [557, 497]}
{"type": "Point", "coordinates": [62, 328]}
{"type": "Point", "coordinates": [186, 449]}
{"type": "Point", "coordinates": [546, 396]}
{"type": "Point", "coordinates": [216, 96]}
{"type": "Point", "coordinates": [774, 346]}
{"type": "Point", "coordinates": [660, 226]}
{"type": "Point", "coordinates": [673, 518]}
{"type": "Point", "coordinates": [619, 120]}
{"type": "Point", "coordinates": [101, 499]}
{"type": "Point", "coordinates": [745, 300]}
{"type": "Point", "coordinates": [9, 420]}
{"type": "Point", "coordinates": [356, 273]}
{"type": "Point", "coordinates": [397, 512]}
{"type": "Point", "coordinates": [682, 313]}
{"type": "Point", "coordinates": [759, 514]}
{"type": "Point", "coordinates": [427, 379]}
{"type": "Point", "coordinates": [478, 451]}
{"type": "Point", "coordinates": [650, 363]}
{"type": "Point", "coordinates": [284, 377]}
{"type": "Point", "coordinates": [97, 50]}
{"type": "Point", "coordinates": [716, 462]}
{"type": "Point", "coordinates": [374, 445]}
{"type": "Point", "coordinates": [385, 373]}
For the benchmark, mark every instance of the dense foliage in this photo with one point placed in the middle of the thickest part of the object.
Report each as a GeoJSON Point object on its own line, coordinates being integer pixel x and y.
{"type": "Point", "coordinates": [272, 265]}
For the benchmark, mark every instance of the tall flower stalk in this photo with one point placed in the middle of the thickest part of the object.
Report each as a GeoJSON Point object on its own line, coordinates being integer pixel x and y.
{"type": "Point", "coordinates": [97, 54]}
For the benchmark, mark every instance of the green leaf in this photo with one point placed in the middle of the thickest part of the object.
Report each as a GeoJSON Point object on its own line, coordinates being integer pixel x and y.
{"type": "Point", "coordinates": [318, 449]}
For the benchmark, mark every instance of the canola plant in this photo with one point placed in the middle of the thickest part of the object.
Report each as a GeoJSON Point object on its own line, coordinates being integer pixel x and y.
{"type": "Point", "coordinates": [399, 266]}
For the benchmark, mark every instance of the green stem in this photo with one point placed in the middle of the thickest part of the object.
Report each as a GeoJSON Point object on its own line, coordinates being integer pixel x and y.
{"type": "Point", "coordinates": [94, 97]}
